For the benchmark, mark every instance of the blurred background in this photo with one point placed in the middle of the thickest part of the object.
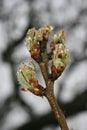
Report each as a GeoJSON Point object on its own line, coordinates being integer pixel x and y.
{"type": "Point", "coordinates": [25, 111]}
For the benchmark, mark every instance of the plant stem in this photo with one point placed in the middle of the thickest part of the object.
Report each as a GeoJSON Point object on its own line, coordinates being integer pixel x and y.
{"type": "Point", "coordinates": [49, 94]}
{"type": "Point", "coordinates": [57, 111]}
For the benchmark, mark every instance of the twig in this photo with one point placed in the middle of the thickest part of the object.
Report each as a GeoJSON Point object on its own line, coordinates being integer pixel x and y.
{"type": "Point", "coordinates": [49, 94]}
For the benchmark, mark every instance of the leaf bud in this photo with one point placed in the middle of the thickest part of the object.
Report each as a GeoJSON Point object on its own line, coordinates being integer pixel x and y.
{"type": "Point", "coordinates": [28, 79]}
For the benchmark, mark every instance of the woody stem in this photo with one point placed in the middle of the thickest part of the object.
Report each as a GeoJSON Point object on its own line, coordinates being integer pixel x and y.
{"type": "Point", "coordinates": [49, 94]}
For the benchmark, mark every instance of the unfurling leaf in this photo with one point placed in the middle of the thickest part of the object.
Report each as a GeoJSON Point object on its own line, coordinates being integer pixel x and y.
{"type": "Point", "coordinates": [28, 79]}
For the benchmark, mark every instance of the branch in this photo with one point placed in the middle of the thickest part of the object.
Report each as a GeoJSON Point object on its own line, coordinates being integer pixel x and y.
{"type": "Point", "coordinates": [49, 94]}
{"type": "Point", "coordinates": [72, 108]}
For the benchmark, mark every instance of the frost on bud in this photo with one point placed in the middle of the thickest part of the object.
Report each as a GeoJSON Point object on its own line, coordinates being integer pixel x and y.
{"type": "Point", "coordinates": [28, 79]}
{"type": "Point", "coordinates": [60, 60]}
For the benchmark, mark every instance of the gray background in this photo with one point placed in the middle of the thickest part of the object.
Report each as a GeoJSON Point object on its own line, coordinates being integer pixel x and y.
{"type": "Point", "coordinates": [24, 111]}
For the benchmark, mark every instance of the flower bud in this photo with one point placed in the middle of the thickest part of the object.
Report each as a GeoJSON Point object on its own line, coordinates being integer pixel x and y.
{"type": "Point", "coordinates": [60, 60]}
{"type": "Point", "coordinates": [28, 79]}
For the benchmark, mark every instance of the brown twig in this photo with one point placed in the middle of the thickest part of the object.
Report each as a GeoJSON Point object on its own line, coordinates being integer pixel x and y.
{"type": "Point", "coordinates": [49, 93]}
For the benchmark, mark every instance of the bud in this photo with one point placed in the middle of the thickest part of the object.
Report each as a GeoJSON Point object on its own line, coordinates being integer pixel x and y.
{"type": "Point", "coordinates": [32, 43]}
{"type": "Point", "coordinates": [36, 41]}
{"type": "Point", "coordinates": [30, 38]}
{"type": "Point", "coordinates": [45, 31]}
{"type": "Point", "coordinates": [28, 79]}
{"type": "Point", "coordinates": [59, 37]}
{"type": "Point", "coordinates": [36, 52]}
{"type": "Point", "coordinates": [52, 47]}
{"type": "Point", "coordinates": [60, 60]}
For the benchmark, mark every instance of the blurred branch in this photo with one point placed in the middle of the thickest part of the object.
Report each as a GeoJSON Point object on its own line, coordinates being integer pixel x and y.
{"type": "Point", "coordinates": [76, 106]}
{"type": "Point", "coordinates": [5, 107]}
{"type": "Point", "coordinates": [15, 43]}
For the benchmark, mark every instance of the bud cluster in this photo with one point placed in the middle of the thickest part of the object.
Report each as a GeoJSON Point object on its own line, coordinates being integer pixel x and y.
{"type": "Point", "coordinates": [60, 55]}
{"type": "Point", "coordinates": [36, 41]}
{"type": "Point", "coordinates": [35, 38]}
{"type": "Point", "coordinates": [59, 60]}
{"type": "Point", "coordinates": [58, 38]}
{"type": "Point", "coordinates": [28, 79]}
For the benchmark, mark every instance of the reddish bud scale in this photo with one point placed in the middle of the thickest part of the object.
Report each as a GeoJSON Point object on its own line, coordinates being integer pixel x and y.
{"type": "Point", "coordinates": [33, 82]}
{"type": "Point", "coordinates": [39, 91]}
{"type": "Point", "coordinates": [43, 44]}
{"type": "Point", "coordinates": [60, 55]}
{"type": "Point", "coordinates": [38, 88]}
{"type": "Point", "coordinates": [35, 52]}
{"type": "Point", "coordinates": [52, 47]}
{"type": "Point", "coordinates": [56, 72]}
{"type": "Point", "coordinates": [24, 89]}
